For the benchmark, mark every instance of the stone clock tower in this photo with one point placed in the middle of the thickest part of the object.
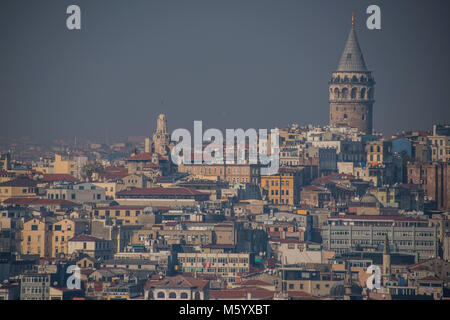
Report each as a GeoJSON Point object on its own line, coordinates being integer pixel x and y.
{"type": "Point", "coordinates": [352, 89]}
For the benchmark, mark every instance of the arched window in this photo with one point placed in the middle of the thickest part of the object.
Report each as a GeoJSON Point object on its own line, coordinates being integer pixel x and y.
{"type": "Point", "coordinates": [353, 93]}
{"type": "Point", "coordinates": [338, 79]}
{"type": "Point", "coordinates": [345, 93]}
{"type": "Point", "coordinates": [161, 295]}
{"type": "Point", "coordinates": [378, 149]}
{"type": "Point", "coordinates": [345, 116]}
{"type": "Point", "coordinates": [183, 295]}
{"type": "Point", "coordinates": [362, 79]}
{"type": "Point", "coordinates": [371, 148]}
{"type": "Point", "coordinates": [345, 79]}
{"type": "Point", "coordinates": [172, 295]}
{"type": "Point", "coordinates": [197, 296]}
{"type": "Point", "coordinates": [354, 79]}
{"type": "Point", "coordinates": [336, 93]}
{"type": "Point", "coordinates": [363, 93]}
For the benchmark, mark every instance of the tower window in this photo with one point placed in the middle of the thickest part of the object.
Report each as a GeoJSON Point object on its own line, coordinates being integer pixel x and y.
{"type": "Point", "coordinates": [345, 93]}
{"type": "Point", "coordinates": [363, 93]}
{"type": "Point", "coordinates": [345, 116]}
{"type": "Point", "coordinates": [349, 56]}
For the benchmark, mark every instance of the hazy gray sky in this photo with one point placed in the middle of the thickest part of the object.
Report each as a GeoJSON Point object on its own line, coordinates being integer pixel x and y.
{"type": "Point", "coordinates": [230, 63]}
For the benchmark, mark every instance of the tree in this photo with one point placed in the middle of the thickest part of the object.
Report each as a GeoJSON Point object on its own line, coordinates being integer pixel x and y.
{"type": "Point", "coordinates": [90, 168]}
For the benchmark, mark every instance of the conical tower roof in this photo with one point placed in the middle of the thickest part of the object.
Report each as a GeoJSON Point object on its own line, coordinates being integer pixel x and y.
{"type": "Point", "coordinates": [352, 59]}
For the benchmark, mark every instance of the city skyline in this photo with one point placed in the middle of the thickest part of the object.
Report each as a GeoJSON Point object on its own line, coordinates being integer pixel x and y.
{"type": "Point", "coordinates": [221, 150]}
{"type": "Point", "coordinates": [278, 57]}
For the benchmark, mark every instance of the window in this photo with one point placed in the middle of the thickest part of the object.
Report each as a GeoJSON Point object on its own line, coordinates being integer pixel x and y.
{"type": "Point", "coordinates": [172, 295]}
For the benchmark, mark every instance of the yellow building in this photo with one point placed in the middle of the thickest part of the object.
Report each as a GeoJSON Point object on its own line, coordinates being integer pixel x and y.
{"type": "Point", "coordinates": [17, 188]}
{"type": "Point", "coordinates": [61, 232]}
{"type": "Point", "coordinates": [35, 238]}
{"type": "Point", "coordinates": [283, 188]}
{"type": "Point", "coordinates": [127, 215]}
{"type": "Point", "coordinates": [64, 165]}
{"type": "Point", "coordinates": [110, 188]}
{"type": "Point", "coordinates": [378, 152]}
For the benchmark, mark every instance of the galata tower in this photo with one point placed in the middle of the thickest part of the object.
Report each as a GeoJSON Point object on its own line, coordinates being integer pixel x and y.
{"type": "Point", "coordinates": [352, 89]}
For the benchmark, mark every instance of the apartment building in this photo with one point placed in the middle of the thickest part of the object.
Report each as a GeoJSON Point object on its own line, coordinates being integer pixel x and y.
{"type": "Point", "coordinates": [18, 188]}
{"type": "Point", "coordinates": [124, 215]}
{"type": "Point", "coordinates": [79, 193]}
{"type": "Point", "coordinates": [35, 286]}
{"type": "Point", "coordinates": [233, 173]}
{"type": "Point", "coordinates": [227, 266]}
{"type": "Point", "coordinates": [368, 233]}
{"type": "Point", "coordinates": [92, 246]}
{"type": "Point", "coordinates": [36, 237]}
{"type": "Point", "coordinates": [284, 187]}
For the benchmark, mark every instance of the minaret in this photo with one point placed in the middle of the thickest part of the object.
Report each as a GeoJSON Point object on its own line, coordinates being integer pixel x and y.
{"type": "Point", "coordinates": [348, 281]}
{"type": "Point", "coordinates": [386, 274]}
{"type": "Point", "coordinates": [351, 89]}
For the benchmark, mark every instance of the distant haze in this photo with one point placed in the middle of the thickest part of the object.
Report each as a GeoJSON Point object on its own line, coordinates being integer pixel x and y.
{"type": "Point", "coordinates": [229, 63]}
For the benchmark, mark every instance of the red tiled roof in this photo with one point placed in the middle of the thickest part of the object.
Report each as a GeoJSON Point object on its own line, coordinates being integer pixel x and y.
{"type": "Point", "coordinates": [52, 177]}
{"type": "Point", "coordinates": [333, 178]}
{"type": "Point", "coordinates": [178, 281]}
{"type": "Point", "coordinates": [121, 207]}
{"type": "Point", "coordinates": [151, 165]}
{"type": "Point", "coordinates": [112, 169]}
{"type": "Point", "coordinates": [429, 278]}
{"type": "Point", "coordinates": [112, 175]}
{"type": "Point", "coordinates": [98, 286]}
{"type": "Point", "coordinates": [86, 271]}
{"type": "Point", "coordinates": [162, 192]}
{"type": "Point", "coordinates": [141, 157]}
{"type": "Point", "coordinates": [19, 182]}
{"type": "Point", "coordinates": [255, 283]}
